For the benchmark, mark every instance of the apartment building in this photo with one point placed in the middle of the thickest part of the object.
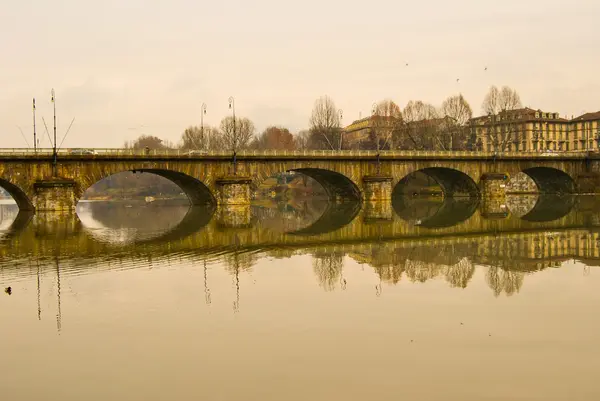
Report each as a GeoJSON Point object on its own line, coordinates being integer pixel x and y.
{"type": "Point", "coordinates": [526, 129]}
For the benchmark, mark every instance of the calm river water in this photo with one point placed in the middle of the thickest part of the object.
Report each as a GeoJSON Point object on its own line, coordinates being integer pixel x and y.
{"type": "Point", "coordinates": [425, 300]}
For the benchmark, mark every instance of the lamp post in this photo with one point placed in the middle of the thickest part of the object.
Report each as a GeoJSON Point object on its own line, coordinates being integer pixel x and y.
{"type": "Point", "coordinates": [341, 114]}
{"type": "Point", "coordinates": [375, 134]}
{"type": "Point", "coordinates": [54, 145]}
{"type": "Point", "coordinates": [34, 133]}
{"type": "Point", "coordinates": [232, 107]}
{"type": "Point", "coordinates": [202, 113]}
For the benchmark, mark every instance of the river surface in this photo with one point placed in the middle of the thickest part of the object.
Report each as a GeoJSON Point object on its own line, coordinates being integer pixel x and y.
{"type": "Point", "coordinates": [425, 299]}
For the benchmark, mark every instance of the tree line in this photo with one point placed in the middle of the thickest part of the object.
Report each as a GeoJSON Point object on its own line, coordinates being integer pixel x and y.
{"type": "Point", "coordinates": [418, 125]}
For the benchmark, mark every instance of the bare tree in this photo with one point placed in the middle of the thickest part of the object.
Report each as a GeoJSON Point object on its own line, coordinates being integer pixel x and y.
{"type": "Point", "coordinates": [236, 134]}
{"type": "Point", "coordinates": [496, 100]}
{"type": "Point", "coordinates": [419, 126]}
{"type": "Point", "coordinates": [302, 140]}
{"type": "Point", "coordinates": [385, 122]}
{"type": "Point", "coordinates": [500, 130]}
{"type": "Point", "coordinates": [325, 124]}
{"type": "Point", "coordinates": [196, 138]}
{"type": "Point", "coordinates": [509, 99]}
{"type": "Point", "coordinates": [456, 112]}
{"type": "Point", "coordinates": [491, 101]}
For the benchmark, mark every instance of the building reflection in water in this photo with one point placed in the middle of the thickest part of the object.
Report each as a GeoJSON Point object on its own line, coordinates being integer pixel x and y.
{"type": "Point", "coordinates": [424, 239]}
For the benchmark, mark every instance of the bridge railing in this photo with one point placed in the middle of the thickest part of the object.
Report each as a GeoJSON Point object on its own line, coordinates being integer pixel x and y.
{"type": "Point", "coordinates": [120, 152]}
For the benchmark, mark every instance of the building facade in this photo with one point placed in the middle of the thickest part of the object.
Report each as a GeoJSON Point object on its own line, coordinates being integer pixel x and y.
{"type": "Point", "coordinates": [531, 130]}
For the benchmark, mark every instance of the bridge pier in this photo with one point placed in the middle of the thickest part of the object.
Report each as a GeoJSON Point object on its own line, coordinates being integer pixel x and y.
{"type": "Point", "coordinates": [493, 194]}
{"type": "Point", "coordinates": [377, 188]}
{"type": "Point", "coordinates": [55, 195]}
{"type": "Point", "coordinates": [233, 190]}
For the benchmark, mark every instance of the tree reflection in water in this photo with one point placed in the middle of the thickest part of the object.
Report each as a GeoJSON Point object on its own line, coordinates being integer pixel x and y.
{"type": "Point", "coordinates": [328, 269]}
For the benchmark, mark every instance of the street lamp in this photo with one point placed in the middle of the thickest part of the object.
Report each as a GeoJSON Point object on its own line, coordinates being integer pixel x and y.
{"type": "Point", "coordinates": [202, 113]}
{"type": "Point", "coordinates": [232, 107]}
{"type": "Point", "coordinates": [341, 114]}
{"type": "Point", "coordinates": [54, 154]}
{"type": "Point", "coordinates": [375, 134]}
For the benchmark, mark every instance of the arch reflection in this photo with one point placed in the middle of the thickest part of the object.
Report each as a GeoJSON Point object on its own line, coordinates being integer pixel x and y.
{"type": "Point", "coordinates": [435, 212]}
{"type": "Point", "coordinates": [549, 207]}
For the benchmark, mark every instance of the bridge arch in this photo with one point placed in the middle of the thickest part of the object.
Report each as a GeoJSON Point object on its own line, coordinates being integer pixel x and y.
{"type": "Point", "coordinates": [337, 185]}
{"type": "Point", "coordinates": [23, 201]}
{"type": "Point", "coordinates": [195, 190]}
{"type": "Point", "coordinates": [454, 183]}
{"type": "Point", "coordinates": [551, 180]}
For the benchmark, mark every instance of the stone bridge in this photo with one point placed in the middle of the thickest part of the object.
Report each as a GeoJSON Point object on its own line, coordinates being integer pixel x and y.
{"type": "Point", "coordinates": [42, 181]}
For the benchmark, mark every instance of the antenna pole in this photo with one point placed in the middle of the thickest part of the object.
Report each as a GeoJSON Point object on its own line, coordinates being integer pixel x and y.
{"type": "Point", "coordinates": [54, 146]}
{"type": "Point", "coordinates": [34, 133]}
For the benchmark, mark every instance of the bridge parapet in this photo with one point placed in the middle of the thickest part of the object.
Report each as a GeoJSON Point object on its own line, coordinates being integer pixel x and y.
{"type": "Point", "coordinates": [101, 153]}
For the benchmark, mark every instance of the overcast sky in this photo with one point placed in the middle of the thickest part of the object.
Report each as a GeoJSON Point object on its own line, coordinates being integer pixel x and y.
{"type": "Point", "coordinates": [124, 68]}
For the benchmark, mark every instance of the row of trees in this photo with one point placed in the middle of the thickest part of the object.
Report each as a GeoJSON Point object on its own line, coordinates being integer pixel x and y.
{"type": "Point", "coordinates": [419, 125]}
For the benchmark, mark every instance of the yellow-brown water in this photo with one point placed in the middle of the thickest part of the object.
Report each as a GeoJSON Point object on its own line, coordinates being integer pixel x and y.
{"type": "Point", "coordinates": [302, 301]}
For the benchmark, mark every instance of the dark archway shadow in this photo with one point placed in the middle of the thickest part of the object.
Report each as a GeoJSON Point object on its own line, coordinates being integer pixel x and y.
{"type": "Point", "coordinates": [550, 207]}
{"type": "Point", "coordinates": [19, 196]}
{"type": "Point", "coordinates": [435, 212]}
{"type": "Point", "coordinates": [336, 185]}
{"type": "Point", "coordinates": [196, 191]}
{"type": "Point", "coordinates": [551, 180]}
{"type": "Point", "coordinates": [335, 216]}
{"type": "Point", "coordinates": [195, 220]}
{"type": "Point", "coordinates": [453, 183]}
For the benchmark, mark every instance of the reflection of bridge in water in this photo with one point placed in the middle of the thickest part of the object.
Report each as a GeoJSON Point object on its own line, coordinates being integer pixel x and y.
{"type": "Point", "coordinates": [341, 228]}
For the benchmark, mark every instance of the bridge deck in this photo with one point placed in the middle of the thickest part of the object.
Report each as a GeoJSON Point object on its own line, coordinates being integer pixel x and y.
{"type": "Point", "coordinates": [161, 154]}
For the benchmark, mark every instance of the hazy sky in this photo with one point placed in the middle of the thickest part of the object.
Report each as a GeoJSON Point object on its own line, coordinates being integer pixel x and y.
{"type": "Point", "coordinates": [124, 68]}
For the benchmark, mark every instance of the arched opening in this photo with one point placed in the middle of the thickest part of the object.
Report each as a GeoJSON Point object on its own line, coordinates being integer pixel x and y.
{"type": "Point", "coordinates": [290, 186]}
{"type": "Point", "coordinates": [336, 186]}
{"type": "Point", "coordinates": [437, 181]}
{"type": "Point", "coordinates": [149, 184]}
{"type": "Point", "coordinates": [551, 180]}
{"type": "Point", "coordinates": [17, 195]}
{"type": "Point", "coordinates": [434, 212]}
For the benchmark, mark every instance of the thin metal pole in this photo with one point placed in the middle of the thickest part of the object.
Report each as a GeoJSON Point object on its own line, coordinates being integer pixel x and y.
{"type": "Point", "coordinates": [202, 113]}
{"type": "Point", "coordinates": [232, 107]}
{"type": "Point", "coordinates": [54, 147]}
{"type": "Point", "coordinates": [34, 132]}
